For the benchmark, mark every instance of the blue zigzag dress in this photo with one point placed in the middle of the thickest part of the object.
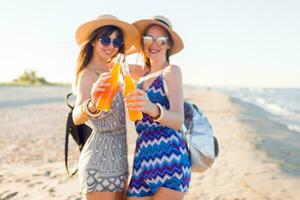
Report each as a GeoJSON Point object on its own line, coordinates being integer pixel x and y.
{"type": "Point", "coordinates": [161, 156]}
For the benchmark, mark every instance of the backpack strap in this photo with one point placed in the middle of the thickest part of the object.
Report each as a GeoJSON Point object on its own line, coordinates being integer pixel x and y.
{"type": "Point", "coordinates": [67, 100]}
{"type": "Point", "coordinates": [73, 172]}
{"type": "Point", "coordinates": [216, 145]}
{"type": "Point", "coordinates": [68, 129]}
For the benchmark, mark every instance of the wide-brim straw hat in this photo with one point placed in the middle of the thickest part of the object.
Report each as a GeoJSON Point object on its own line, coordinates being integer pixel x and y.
{"type": "Point", "coordinates": [129, 31]}
{"type": "Point", "coordinates": [142, 24]}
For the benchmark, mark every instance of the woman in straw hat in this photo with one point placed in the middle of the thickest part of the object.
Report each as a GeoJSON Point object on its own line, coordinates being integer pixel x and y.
{"type": "Point", "coordinates": [162, 167]}
{"type": "Point", "coordinates": [103, 165]}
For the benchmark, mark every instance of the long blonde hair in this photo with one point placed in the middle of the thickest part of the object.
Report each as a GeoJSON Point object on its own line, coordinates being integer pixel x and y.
{"type": "Point", "coordinates": [86, 51]}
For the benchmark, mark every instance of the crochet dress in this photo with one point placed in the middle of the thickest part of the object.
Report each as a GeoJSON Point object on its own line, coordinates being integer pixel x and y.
{"type": "Point", "coordinates": [103, 165]}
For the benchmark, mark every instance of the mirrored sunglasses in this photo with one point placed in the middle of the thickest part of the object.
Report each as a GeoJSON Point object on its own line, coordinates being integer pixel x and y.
{"type": "Point", "coordinates": [160, 40]}
{"type": "Point", "coordinates": [106, 40]}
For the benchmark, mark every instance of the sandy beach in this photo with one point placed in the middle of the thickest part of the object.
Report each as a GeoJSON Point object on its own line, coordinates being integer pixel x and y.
{"type": "Point", "coordinates": [32, 138]}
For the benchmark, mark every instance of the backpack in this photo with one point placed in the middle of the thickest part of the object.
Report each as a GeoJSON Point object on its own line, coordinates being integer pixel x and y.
{"type": "Point", "coordinates": [202, 145]}
{"type": "Point", "coordinates": [80, 134]}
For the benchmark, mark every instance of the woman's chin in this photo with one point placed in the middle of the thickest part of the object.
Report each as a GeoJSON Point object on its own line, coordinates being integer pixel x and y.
{"type": "Point", "coordinates": [152, 56]}
{"type": "Point", "coordinates": [106, 56]}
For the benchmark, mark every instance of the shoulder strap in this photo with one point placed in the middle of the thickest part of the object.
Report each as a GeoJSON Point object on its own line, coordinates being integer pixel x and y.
{"type": "Point", "coordinates": [216, 145]}
{"type": "Point", "coordinates": [141, 80]}
{"type": "Point", "coordinates": [164, 83]}
{"type": "Point", "coordinates": [73, 172]}
{"type": "Point", "coordinates": [68, 129]}
{"type": "Point", "coordinates": [67, 100]}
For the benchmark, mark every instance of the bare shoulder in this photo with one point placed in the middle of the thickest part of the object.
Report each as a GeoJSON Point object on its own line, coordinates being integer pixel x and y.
{"type": "Point", "coordinates": [172, 72]}
{"type": "Point", "coordinates": [137, 71]}
{"type": "Point", "coordinates": [85, 76]}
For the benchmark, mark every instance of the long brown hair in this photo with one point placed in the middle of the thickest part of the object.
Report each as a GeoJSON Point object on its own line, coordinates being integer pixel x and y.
{"type": "Point", "coordinates": [86, 51]}
{"type": "Point", "coordinates": [146, 59]}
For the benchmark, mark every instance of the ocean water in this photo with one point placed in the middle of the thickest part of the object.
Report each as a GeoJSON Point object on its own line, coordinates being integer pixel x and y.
{"type": "Point", "coordinates": [282, 105]}
{"type": "Point", "coordinates": [275, 115]}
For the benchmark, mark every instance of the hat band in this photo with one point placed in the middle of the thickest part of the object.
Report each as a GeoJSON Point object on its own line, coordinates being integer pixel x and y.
{"type": "Point", "coordinates": [165, 23]}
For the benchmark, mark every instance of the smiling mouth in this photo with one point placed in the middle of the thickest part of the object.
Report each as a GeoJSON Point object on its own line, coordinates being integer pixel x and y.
{"type": "Point", "coordinates": [154, 51]}
{"type": "Point", "coordinates": [107, 52]}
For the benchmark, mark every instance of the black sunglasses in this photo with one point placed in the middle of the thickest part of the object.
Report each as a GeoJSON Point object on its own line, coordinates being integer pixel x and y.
{"type": "Point", "coordinates": [105, 41]}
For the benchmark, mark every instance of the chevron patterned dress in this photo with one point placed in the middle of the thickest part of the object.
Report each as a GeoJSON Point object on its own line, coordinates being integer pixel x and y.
{"type": "Point", "coordinates": [161, 157]}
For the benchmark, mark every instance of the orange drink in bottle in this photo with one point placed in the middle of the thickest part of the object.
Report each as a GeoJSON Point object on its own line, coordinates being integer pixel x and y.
{"type": "Point", "coordinates": [106, 97]}
{"type": "Point", "coordinates": [129, 85]}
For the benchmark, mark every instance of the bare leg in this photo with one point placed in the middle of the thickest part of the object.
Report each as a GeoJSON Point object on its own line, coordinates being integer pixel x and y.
{"type": "Point", "coordinates": [165, 193]}
{"type": "Point", "coordinates": [139, 198]}
{"type": "Point", "coordinates": [104, 195]}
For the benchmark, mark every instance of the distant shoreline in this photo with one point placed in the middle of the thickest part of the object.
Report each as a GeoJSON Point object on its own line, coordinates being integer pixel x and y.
{"type": "Point", "coordinates": [275, 139]}
{"type": "Point", "coordinates": [185, 87]}
{"type": "Point", "coordinates": [33, 85]}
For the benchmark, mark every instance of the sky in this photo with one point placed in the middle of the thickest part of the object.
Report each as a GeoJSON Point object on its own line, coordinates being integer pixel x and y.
{"type": "Point", "coordinates": [236, 43]}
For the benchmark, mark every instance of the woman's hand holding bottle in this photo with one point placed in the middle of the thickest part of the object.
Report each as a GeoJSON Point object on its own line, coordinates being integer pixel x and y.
{"type": "Point", "coordinates": [99, 87]}
{"type": "Point", "coordinates": [138, 100]}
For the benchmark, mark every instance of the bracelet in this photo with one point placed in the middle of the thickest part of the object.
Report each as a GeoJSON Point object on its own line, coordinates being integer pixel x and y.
{"type": "Point", "coordinates": [158, 114]}
{"type": "Point", "coordinates": [87, 111]}
{"type": "Point", "coordinates": [161, 112]}
{"type": "Point", "coordinates": [93, 104]}
{"type": "Point", "coordinates": [82, 110]}
{"type": "Point", "coordinates": [95, 114]}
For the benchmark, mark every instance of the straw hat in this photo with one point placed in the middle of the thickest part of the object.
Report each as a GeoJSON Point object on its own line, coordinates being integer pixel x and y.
{"type": "Point", "coordinates": [141, 25]}
{"type": "Point", "coordinates": [129, 31]}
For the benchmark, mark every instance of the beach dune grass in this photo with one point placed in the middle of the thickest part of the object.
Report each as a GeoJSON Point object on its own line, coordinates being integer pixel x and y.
{"type": "Point", "coordinates": [30, 78]}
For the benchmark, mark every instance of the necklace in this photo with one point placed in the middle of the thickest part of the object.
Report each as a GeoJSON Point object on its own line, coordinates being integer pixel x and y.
{"type": "Point", "coordinates": [95, 69]}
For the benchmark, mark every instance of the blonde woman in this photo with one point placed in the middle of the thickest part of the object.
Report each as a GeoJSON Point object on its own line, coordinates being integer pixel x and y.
{"type": "Point", "coordinates": [162, 167]}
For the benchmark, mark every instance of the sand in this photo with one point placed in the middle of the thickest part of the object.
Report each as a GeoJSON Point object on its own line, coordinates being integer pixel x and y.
{"type": "Point", "coordinates": [32, 158]}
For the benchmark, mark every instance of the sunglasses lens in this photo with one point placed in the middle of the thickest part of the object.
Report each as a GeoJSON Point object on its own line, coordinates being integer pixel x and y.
{"type": "Point", "coordinates": [162, 41]}
{"type": "Point", "coordinates": [117, 43]}
{"type": "Point", "coordinates": [105, 40]}
{"type": "Point", "coordinates": [147, 40]}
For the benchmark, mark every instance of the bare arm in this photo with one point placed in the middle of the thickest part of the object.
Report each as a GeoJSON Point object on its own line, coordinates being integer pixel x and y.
{"type": "Point", "coordinates": [174, 117]}
{"type": "Point", "coordinates": [86, 89]}
{"type": "Point", "coordinates": [83, 92]}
